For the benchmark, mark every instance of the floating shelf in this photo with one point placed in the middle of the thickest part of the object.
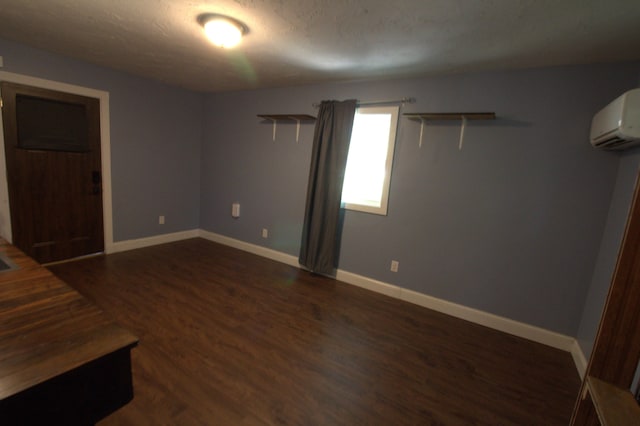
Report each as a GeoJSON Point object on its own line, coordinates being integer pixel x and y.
{"type": "Point", "coordinates": [287, 117]}
{"type": "Point", "coordinates": [451, 115]}
{"type": "Point", "coordinates": [464, 116]}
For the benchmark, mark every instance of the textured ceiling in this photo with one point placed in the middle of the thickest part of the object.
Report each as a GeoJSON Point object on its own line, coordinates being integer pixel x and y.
{"type": "Point", "coordinates": [293, 42]}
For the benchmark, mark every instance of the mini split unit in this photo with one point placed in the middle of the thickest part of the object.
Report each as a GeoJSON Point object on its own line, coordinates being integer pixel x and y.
{"type": "Point", "coordinates": [617, 126]}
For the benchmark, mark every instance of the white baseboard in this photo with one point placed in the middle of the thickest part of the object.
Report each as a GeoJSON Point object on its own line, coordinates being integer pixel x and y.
{"type": "Point", "coordinates": [251, 248]}
{"type": "Point", "coordinates": [516, 328]}
{"type": "Point", "coordinates": [578, 358]}
{"type": "Point", "coordinates": [152, 241]}
{"type": "Point", "coordinates": [506, 325]}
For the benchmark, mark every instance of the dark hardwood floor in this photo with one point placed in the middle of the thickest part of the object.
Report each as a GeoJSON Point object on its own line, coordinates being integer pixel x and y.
{"type": "Point", "coordinates": [230, 338]}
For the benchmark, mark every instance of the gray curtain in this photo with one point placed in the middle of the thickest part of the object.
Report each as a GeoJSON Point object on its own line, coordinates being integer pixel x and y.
{"type": "Point", "coordinates": [322, 224]}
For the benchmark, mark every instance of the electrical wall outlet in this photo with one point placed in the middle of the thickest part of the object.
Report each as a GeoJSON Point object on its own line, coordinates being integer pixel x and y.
{"type": "Point", "coordinates": [265, 233]}
{"type": "Point", "coordinates": [160, 220]}
{"type": "Point", "coordinates": [394, 265]}
{"type": "Point", "coordinates": [235, 210]}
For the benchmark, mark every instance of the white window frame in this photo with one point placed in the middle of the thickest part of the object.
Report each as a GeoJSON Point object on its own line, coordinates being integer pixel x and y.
{"type": "Point", "coordinates": [394, 110]}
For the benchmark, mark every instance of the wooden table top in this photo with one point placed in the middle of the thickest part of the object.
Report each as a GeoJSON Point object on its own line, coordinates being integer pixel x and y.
{"type": "Point", "coordinates": [46, 327]}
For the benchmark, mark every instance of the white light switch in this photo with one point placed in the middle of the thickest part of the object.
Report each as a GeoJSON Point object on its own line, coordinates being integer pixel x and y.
{"type": "Point", "coordinates": [1, 62]}
{"type": "Point", "coordinates": [235, 210]}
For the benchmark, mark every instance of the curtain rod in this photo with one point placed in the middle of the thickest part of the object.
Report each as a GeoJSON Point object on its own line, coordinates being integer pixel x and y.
{"type": "Point", "coordinates": [380, 102]}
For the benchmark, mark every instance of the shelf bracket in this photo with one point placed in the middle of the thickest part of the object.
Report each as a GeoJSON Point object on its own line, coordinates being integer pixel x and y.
{"type": "Point", "coordinates": [298, 118]}
{"type": "Point", "coordinates": [297, 129]}
{"type": "Point", "coordinates": [462, 128]}
{"type": "Point", "coordinates": [464, 116]}
{"type": "Point", "coordinates": [274, 128]}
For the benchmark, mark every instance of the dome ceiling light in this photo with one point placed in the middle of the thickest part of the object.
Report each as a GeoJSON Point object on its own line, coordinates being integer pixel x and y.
{"type": "Point", "coordinates": [223, 31]}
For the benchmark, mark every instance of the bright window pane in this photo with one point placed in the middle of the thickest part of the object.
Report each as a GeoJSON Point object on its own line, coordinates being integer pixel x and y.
{"type": "Point", "coordinates": [366, 181]}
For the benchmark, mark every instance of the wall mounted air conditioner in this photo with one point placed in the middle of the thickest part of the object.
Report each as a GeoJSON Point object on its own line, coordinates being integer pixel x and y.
{"type": "Point", "coordinates": [617, 126]}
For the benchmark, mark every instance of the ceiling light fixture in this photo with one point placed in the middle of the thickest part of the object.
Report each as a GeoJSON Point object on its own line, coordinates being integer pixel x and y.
{"type": "Point", "coordinates": [223, 31]}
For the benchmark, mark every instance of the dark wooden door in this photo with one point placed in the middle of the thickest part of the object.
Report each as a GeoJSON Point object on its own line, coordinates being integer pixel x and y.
{"type": "Point", "coordinates": [52, 148]}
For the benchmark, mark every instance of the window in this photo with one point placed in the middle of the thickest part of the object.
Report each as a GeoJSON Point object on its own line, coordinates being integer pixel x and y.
{"type": "Point", "coordinates": [51, 125]}
{"type": "Point", "coordinates": [366, 180]}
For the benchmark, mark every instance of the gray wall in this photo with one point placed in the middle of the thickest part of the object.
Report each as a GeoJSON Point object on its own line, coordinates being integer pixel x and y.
{"type": "Point", "coordinates": [511, 225]}
{"type": "Point", "coordinates": [156, 133]}
{"type": "Point", "coordinates": [609, 249]}
{"type": "Point", "coordinates": [514, 224]}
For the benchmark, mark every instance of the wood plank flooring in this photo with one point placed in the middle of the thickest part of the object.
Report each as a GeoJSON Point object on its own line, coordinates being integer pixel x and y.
{"type": "Point", "coordinates": [230, 338]}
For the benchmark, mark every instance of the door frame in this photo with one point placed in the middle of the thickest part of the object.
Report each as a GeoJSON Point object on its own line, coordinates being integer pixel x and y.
{"type": "Point", "coordinates": [105, 149]}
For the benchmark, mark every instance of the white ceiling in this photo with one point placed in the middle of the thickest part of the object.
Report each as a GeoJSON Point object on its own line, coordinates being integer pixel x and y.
{"type": "Point", "coordinates": [293, 42]}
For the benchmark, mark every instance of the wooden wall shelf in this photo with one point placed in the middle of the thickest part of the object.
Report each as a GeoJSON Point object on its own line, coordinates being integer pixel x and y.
{"type": "Point", "coordinates": [451, 115]}
{"type": "Point", "coordinates": [292, 117]}
{"type": "Point", "coordinates": [287, 117]}
{"type": "Point", "coordinates": [437, 116]}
